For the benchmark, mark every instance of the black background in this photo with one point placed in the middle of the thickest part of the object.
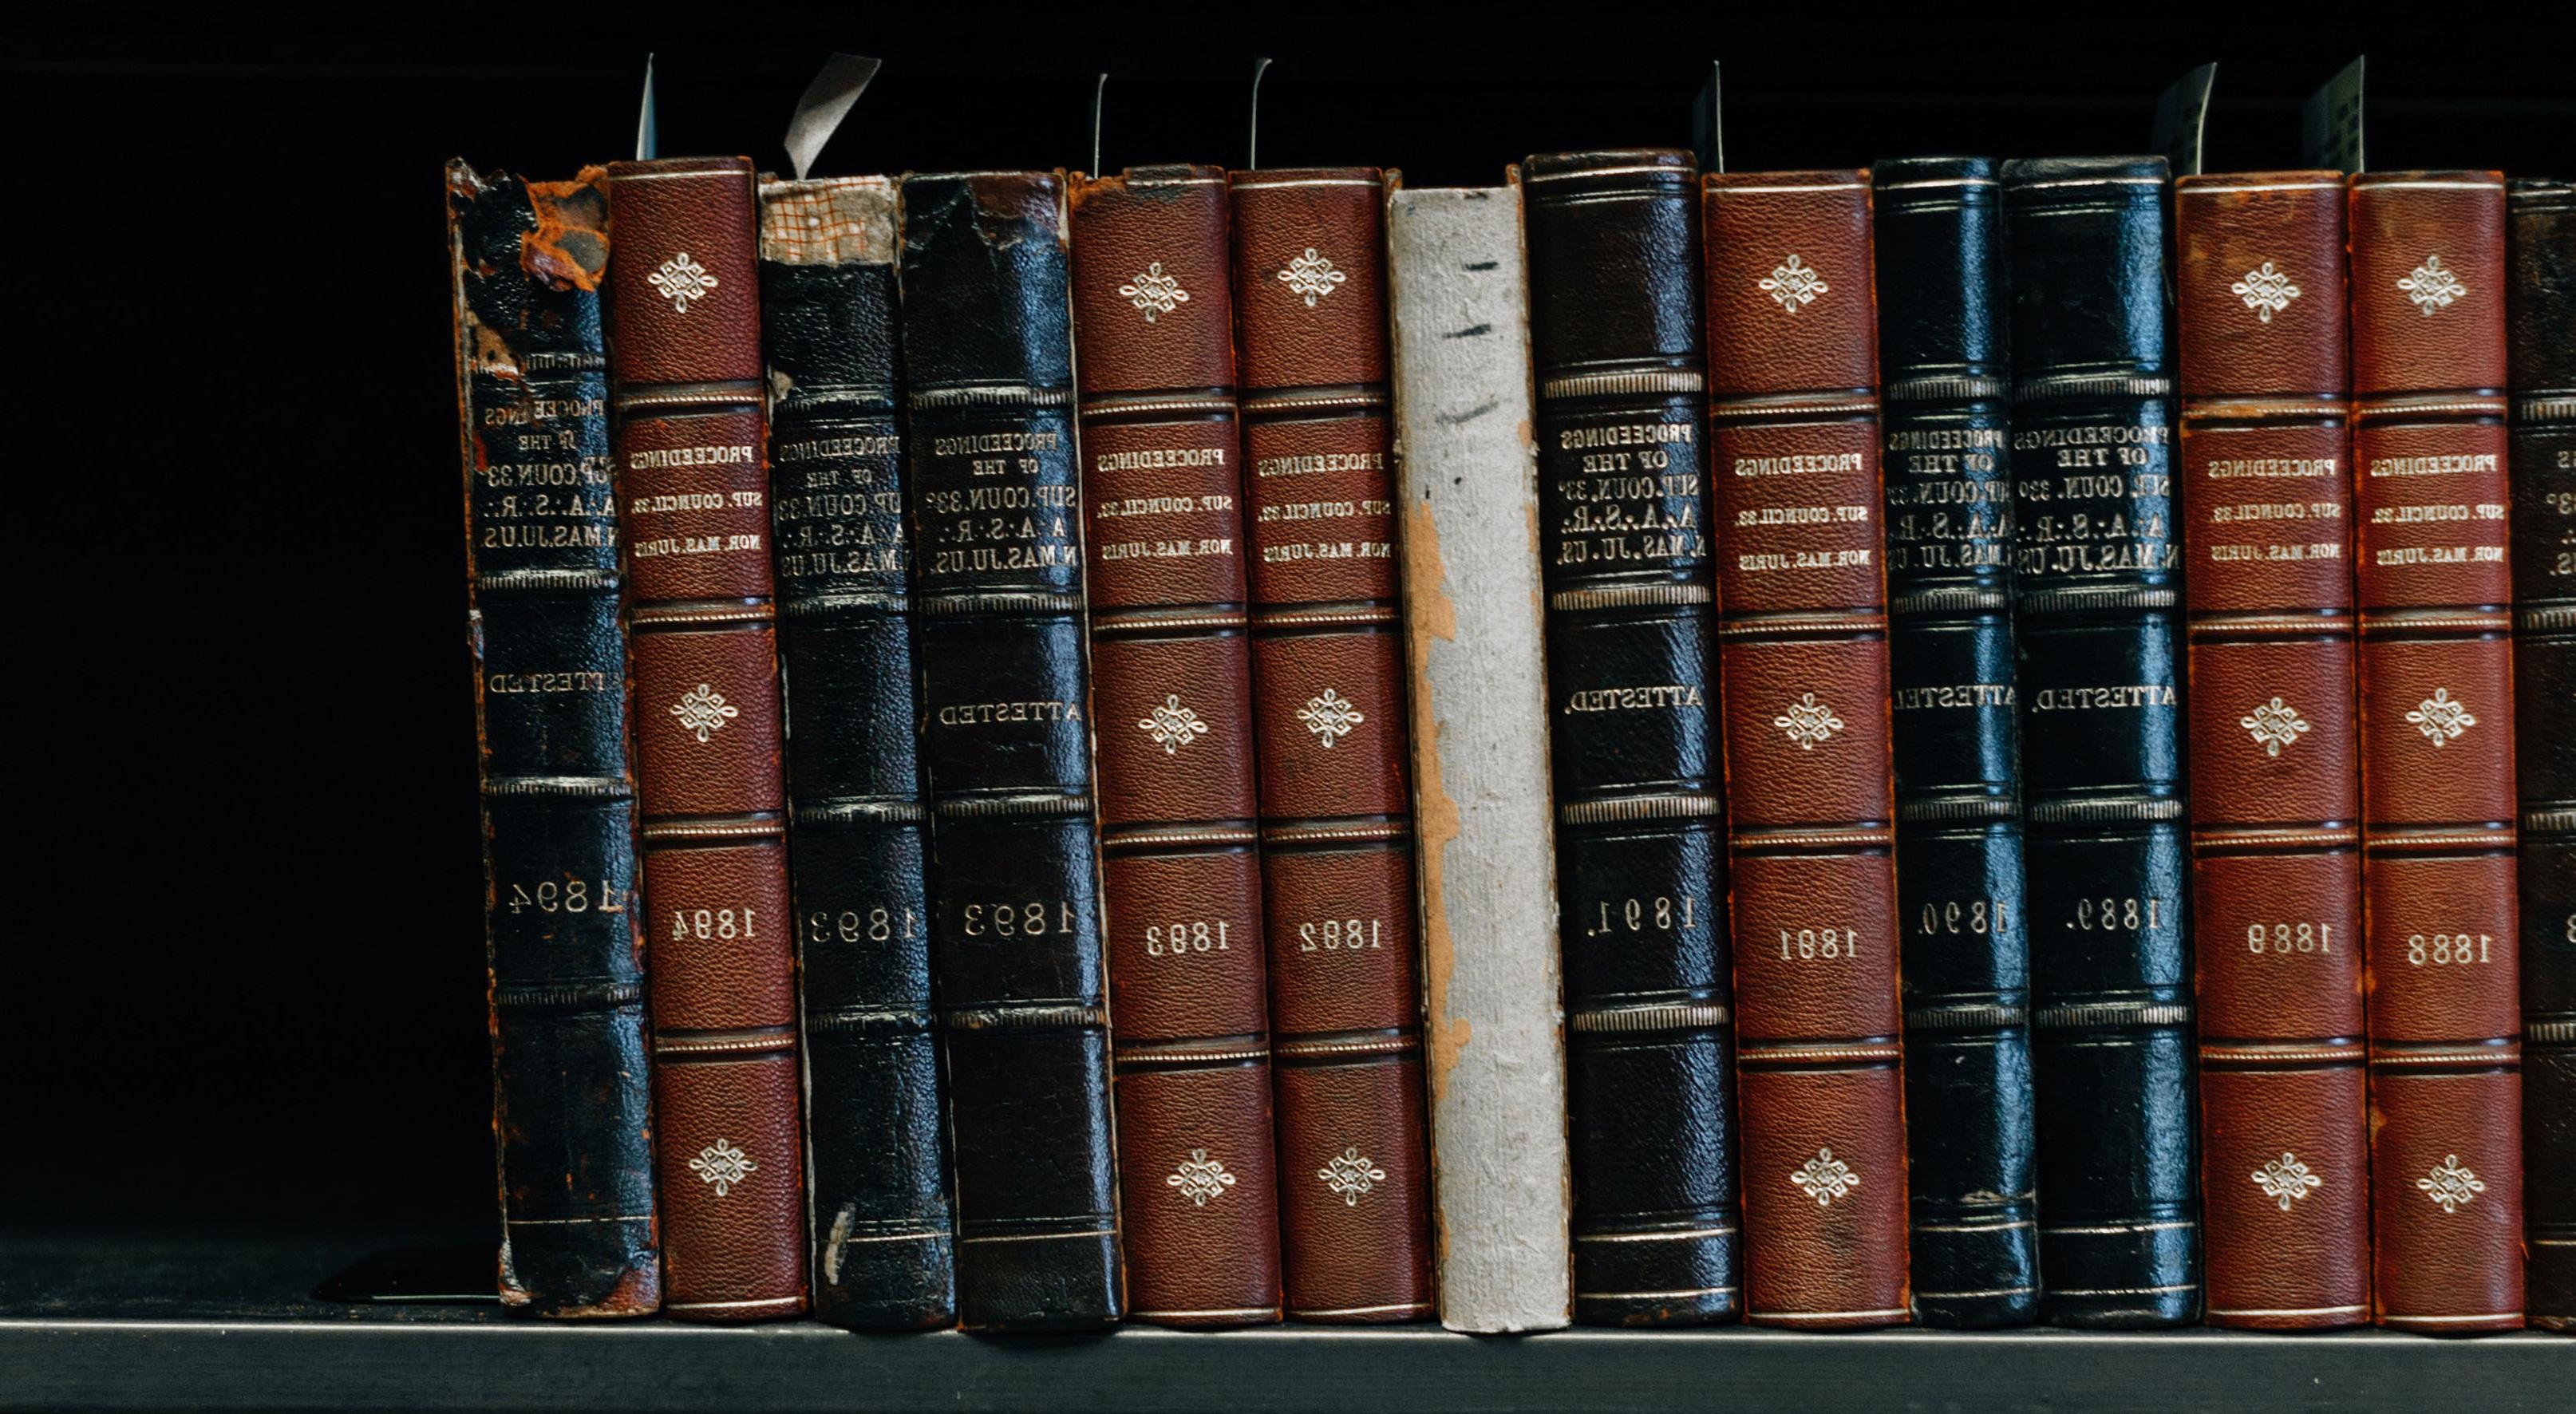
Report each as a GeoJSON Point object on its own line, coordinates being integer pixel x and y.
{"type": "Point", "coordinates": [250, 986]}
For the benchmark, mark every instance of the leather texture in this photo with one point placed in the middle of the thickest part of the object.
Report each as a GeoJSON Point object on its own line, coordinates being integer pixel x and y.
{"type": "Point", "coordinates": [1466, 470]}
{"type": "Point", "coordinates": [1613, 251]}
{"type": "Point", "coordinates": [1015, 937]}
{"type": "Point", "coordinates": [2540, 309]}
{"type": "Point", "coordinates": [1171, 663]}
{"type": "Point", "coordinates": [2098, 578]}
{"type": "Point", "coordinates": [1328, 710]}
{"type": "Point", "coordinates": [1944, 354]}
{"type": "Point", "coordinates": [693, 483]}
{"type": "Point", "coordinates": [2275, 762]}
{"type": "Point", "coordinates": [570, 1107]}
{"type": "Point", "coordinates": [1802, 643]}
{"type": "Point", "coordinates": [2427, 262]}
{"type": "Point", "coordinates": [884, 1236]}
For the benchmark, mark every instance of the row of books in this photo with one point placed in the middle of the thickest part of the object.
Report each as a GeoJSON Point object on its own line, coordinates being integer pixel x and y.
{"type": "Point", "coordinates": [1632, 746]}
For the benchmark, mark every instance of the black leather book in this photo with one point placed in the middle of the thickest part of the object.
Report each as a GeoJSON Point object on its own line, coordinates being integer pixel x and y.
{"type": "Point", "coordinates": [1615, 329]}
{"type": "Point", "coordinates": [2098, 594]}
{"type": "Point", "coordinates": [570, 1106]}
{"type": "Point", "coordinates": [2540, 309]}
{"type": "Point", "coordinates": [1943, 321]}
{"type": "Point", "coordinates": [1015, 932]}
{"type": "Point", "coordinates": [884, 1245]}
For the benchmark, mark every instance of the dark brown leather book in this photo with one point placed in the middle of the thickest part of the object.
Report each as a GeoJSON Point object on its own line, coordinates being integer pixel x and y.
{"type": "Point", "coordinates": [2274, 750]}
{"type": "Point", "coordinates": [1328, 709]}
{"type": "Point", "coordinates": [1172, 702]}
{"type": "Point", "coordinates": [2540, 337]}
{"type": "Point", "coordinates": [2428, 373]}
{"type": "Point", "coordinates": [1811, 810]}
{"type": "Point", "coordinates": [570, 1109]}
{"type": "Point", "coordinates": [693, 501]}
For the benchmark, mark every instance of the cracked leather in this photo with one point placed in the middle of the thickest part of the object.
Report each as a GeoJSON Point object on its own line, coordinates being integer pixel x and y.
{"type": "Point", "coordinates": [2427, 253]}
{"type": "Point", "coordinates": [1944, 355]}
{"type": "Point", "coordinates": [2540, 309]}
{"type": "Point", "coordinates": [2275, 766]}
{"type": "Point", "coordinates": [570, 1109]}
{"type": "Point", "coordinates": [1015, 931]}
{"type": "Point", "coordinates": [884, 1240]}
{"type": "Point", "coordinates": [693, 482]}
{"type": "Point", "coordinates": [1613, 249]}
{"type": "Point", "coordinates": [1802, 646]}
{"type": "Point", "coordinates": [2098, 584]}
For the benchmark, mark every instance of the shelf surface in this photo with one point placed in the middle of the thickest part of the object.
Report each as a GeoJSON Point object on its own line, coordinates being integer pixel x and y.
{"type": "Point", "coordinates": [102, 1320]}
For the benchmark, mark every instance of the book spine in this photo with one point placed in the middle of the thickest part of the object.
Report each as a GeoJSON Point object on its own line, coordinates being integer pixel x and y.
{"type": "Point", "coordinates": [1811, 809]}
{"type": "Point", "coordinates": [1963, 929]}
{"type": "Point", "coordinates": [1467, 477]}
{"type": "Point", "coordinates": [693, 484]}
{"type": "Point", "coordinates": [2097, 570]}
{"type": "Point", "coordinates": [1613, 241]}
{"type": "Point", "coordinates": [1337, 864]}
{"type": "Point", "coordinates": [570, 1107]}
{"type": "Point", "coordinates": [878, 1212]}
{"type": "Point", "coordinates": [2274, 751]}
{"type": "Point", "coordinates": [1171, 665]}
{"type": "Point", "coordinates": [1015, 929]}
{"type": "Point", "coordinates": [2435, 589]}
{"type": "Point", "coordinates": [2540, 241]}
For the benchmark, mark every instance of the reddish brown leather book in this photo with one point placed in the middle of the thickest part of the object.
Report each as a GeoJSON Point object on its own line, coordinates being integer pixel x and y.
{"type": "Point", "coordinates": [1171, 700]}
{"type": "Point", "coordinates": [2275, 768]}
{"type": "Point", "coordinates": [693, 501]}
{"type": "Point", "coordinates": [2428, 375]}
{"type": "Point", "coordinates": [1802, 645]}
{"type": "Point", "coordinates": [1328, 712]}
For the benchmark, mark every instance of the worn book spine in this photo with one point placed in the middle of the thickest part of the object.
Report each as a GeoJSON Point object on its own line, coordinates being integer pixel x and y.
{"type": "Point", "coordinates": [1615, 346]}
{"type": "Point", "coordinates": [878, 1210]}
{"type": "Point", "coordinates": [1005, 711]}
{"type": "Point", "coordinates": [2098, 590]}
{"type": "Point", "coordinates": [570, 1108]}
{"type": "Point", "coordinates": [1943, 312]}
{"type": "Point", "coordinates": [1811, 808]}
{"type": "Point", "coordinates": [1172, 693]}
{"type": "Point", "coordinates": [2274, 748]}
{"type": "Point", "coordinates": [2540, 312]}
{"type": "Point", "coordinates": [2436, 593]}
{"type": "Point", "coordinates": [1337, 865]}
{"type": "Point", "coordinates": [1467, 478]}
{"type": "Point", "coordinates": [693, 488]}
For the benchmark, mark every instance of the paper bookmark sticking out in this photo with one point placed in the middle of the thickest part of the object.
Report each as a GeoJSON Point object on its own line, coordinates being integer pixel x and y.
{"type": "Point", "coordinates": [1099, 95]}
{"type": "Point", "coordinates": [648, 133]}
{"type": "Point", "coordinates": [826, 101]}
{"type": "Point", "coordinates": [2330, 125]}
{"type": "Point", "coordinates": [1708, 132]}
{"type": "Point", "coordinates": [2181, 112]}
{"type": "Point", "coordinates": [1252, 130]}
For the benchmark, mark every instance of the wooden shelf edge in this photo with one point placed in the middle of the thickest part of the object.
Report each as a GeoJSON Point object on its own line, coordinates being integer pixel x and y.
{"type": "Point", "coordinates": [642, 1366]}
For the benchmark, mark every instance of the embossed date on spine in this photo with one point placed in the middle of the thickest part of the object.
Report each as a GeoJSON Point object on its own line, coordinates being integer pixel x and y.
{"type": "Point", "coordinates": [1015, 918]}
{"type": "Point", "coordinates": [1191, 937]}
{"type": "Point", "coordinates": [880, 924]}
